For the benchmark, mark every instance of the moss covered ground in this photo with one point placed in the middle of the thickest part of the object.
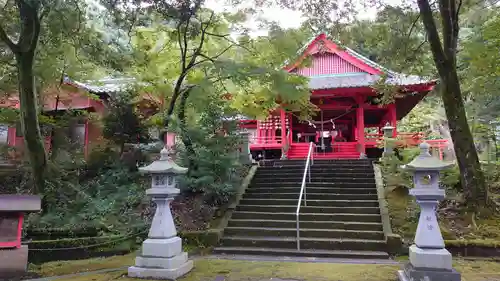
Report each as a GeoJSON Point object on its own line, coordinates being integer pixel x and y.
{"type": "Point", "coordinates": [455, 223]}
{"type": "Point", "coordinates": [207, 269]}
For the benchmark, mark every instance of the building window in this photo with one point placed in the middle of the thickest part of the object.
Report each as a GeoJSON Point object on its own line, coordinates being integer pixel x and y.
{"type": "Point", "coordinates": [4, 134]}
{"type": "Point", "coordinates": [77, 134]}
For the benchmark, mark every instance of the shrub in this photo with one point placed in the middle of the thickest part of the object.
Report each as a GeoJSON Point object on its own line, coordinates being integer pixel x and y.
{"type": "Point", "coordinates": [113, 201]}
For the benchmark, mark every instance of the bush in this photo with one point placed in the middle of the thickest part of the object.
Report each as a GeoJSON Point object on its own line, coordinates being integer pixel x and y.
{"type": "Point", "coordinates": [113, 201]}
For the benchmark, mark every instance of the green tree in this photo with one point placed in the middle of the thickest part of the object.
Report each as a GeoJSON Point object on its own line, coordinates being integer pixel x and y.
{"type": "Point", "coordinates": [40, 43]}
{"type": "Point", "coordinates": [191, 54]}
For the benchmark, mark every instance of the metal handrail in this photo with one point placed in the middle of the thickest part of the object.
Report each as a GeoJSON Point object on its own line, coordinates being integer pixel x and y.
{"type": "Point", "coordinates": [307, 172]}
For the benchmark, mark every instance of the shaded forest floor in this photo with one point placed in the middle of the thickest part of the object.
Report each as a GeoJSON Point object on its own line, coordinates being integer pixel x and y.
{"type": "Point", "coordinates": [207, 269]}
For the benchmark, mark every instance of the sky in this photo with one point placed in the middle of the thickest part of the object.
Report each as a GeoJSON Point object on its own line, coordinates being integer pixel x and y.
{"type": "Point", "coordinates": [287, 18]}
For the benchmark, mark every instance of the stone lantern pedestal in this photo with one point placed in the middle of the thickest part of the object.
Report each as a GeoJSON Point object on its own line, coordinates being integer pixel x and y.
{"type": "Point", "coordinates": [388, 134]}
{"type": "Point", "coordinates": [429, 260]}
{"type": "Point", "coordinates": [162, 256]}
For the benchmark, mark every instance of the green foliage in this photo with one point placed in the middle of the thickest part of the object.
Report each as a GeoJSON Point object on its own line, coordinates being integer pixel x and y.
{"type": "Point", "coordinates": [111, 200]}
{"type": "Point", "coordinates": [122, 123]}
{"type": "Point", "coordinates": [217, 169]}
{"type": "Point", "coordinates": [394, 176]}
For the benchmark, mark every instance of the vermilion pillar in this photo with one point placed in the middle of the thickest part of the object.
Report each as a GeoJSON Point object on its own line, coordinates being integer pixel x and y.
{"type": "Point", "coordinates": [259, 132]}
{"type": "Point", "coordinates": [360, 116]}
{"type": "Point", "coordinates": [283, 126]}
{"type": "Point", "coordinates": [290, 128]}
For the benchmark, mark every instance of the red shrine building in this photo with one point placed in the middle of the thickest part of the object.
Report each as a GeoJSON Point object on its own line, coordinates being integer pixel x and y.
{"type": "Point", "coordinates": [349, 120]}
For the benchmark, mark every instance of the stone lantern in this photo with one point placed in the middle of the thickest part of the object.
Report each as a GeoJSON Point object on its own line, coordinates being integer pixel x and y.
{"type": "Point", "coordinates": [162, 256]}
{"type": "Point", "coordinates": [388, 134]}
{"type": "Point", "coordinates": [429, 260]}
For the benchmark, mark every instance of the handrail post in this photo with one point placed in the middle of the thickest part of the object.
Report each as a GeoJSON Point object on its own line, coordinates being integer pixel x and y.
{"type": "Point", "coordinates": [298, 234]}
{"type": "Point", "coordinates": [303, 192]}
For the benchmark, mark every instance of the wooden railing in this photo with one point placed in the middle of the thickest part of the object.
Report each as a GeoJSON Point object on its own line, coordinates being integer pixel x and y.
{"type": "Point", "coordinates": [403, 140]}
{"type": "Point", "coordinates": [265, 140]}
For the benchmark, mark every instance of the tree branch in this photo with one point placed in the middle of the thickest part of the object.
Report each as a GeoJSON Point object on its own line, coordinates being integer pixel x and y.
{"type": "Point", "coordinates": [197, 51]}
{"type": "Point", "coordinates": [413, 25]}
{"type": "Point", "coordinates": [212, 59]}
{"type": "Point", "coordinates": [179, 41]}
{"type": "Point", "coordinates": [432, 35]}
{"type": "Point", "coordinates": [227, 37]}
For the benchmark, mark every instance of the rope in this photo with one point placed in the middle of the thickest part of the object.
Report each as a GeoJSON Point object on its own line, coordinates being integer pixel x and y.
{"type": "Point", "coordinates": [94, 245]}
{"type": "Point", "coordinates": [333, 119]}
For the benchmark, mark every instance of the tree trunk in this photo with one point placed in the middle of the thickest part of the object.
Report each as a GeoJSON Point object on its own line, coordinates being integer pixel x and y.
{"type": "Point", "coordinates": [186, 140]}
{"type": "Point", "coordinates": [444, 55]}
{"type": "Point", "coordinates": [29, 118]}
{"type": "Point", "coordinates": [473, 181]}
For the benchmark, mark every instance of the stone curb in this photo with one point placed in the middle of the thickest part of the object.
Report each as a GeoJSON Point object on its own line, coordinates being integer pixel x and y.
{"type": "Point", "coordinates": [394, 241]}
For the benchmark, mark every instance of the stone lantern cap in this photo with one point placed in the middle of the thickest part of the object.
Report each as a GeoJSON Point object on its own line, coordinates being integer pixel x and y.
{"type": "Point", "coordinates": [388, 127]}
{"type": "Point", "coordinates": [20, 203]}
{"type": "Point", "coordinates": [426, 162]}
{"type": "Point", "coordinates": [165, 165]}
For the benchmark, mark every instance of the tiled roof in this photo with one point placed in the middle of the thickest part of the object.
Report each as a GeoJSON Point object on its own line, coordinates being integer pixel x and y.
{"type": "Point", "coordinates": [108, 85]}
{"type": "Point", "coordinates": [363, 80]}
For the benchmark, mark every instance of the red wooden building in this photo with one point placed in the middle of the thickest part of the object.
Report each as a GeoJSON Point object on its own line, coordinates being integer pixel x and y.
{"type": "Point", "coordinates": [349, 121]}
{"type": "Point", "coordinates": [90, 97]}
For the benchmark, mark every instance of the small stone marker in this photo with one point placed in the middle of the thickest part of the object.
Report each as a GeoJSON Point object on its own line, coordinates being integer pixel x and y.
{"type": "Point", "coordinates": [13, 255]}
{"type": "Point", "coordinates": [429, 260]}
{"type": "Point", "coordinates": [162, 256]}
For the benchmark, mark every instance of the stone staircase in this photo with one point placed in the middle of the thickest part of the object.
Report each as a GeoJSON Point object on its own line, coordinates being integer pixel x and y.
{"type": "Point", "coordinates": [341, 219]}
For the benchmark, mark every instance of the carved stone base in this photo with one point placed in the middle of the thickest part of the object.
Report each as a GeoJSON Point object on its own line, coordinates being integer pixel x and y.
{"type": "Point", "coordinates": [160, 273]}
{"type": "Point", "coordinates": [411, 273]}
{"type": "Point", "coordinates": [430, 258]}
{"type": "Point", "coordinates": [161, 259]}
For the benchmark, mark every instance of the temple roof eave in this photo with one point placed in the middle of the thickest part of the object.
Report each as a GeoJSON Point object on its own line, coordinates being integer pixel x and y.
{"type": "Point", "coordinates": [365, 80]}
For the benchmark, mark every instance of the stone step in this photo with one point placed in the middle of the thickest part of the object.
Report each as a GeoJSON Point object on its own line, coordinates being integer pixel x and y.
{"type": "Point", "coordinates": [301, 253]}
{"type": "Point", "coordinates": [326, 168]}
{"type": "Point", "coordinates": [304, 232]}
{"type": "Point", "coordinates": [311, 202]}
{"type": "Point", "coordinates": [309, 189]}
{"type": "Point", "coordinates": [314, 179]}
{"type": "Point", "coordinates": [317, 165]}
{"type": "Point", "coordinates": [308, 209]}
{"type": "Point", "coordinates": [374, 226]}
{"type": "Point", "coordinates": [305, 243]}
{"type": "Point", "coordinates": [306, 216]}
{"type": "Point", "coordinates": [325, 173]}
{"type": "Point", "coordinates": [325, 161]}
{"type": "Point", "coordinates": [251, 194]}
{"type": "Point", "coordinates": [320, 185]}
